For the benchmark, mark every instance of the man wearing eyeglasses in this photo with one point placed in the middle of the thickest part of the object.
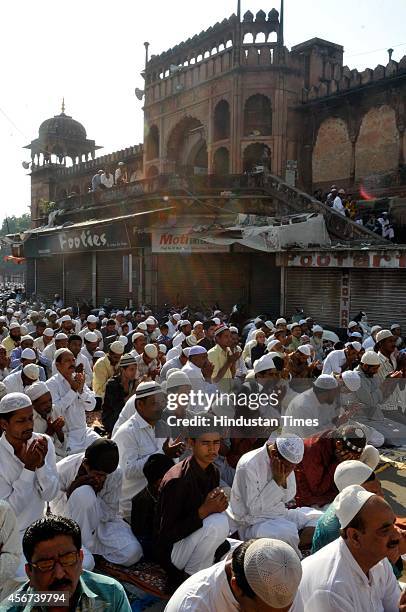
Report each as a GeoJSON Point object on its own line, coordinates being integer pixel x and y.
{"type": "Point", "coordinates": [52, 547]}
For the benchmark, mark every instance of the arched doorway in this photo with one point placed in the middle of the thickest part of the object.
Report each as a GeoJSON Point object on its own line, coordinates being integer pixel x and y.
{"type": "Point", "coordinates": [221, 162]}
{"type": "Point", "coordinates": [222, 121]}
{"type": "Point", "coordinates": [258, 116]}
{"type": "Point", "coordinates": [152, 171]}
{"type": "Point", "coordinates": [187, 147]}
{"type": "Point", "coordinates": [257, 154]}
{"type": "Point", "coordinates": [152, 143]}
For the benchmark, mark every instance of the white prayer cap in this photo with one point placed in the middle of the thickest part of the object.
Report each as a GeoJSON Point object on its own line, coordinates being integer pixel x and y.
{"type": "Point", "coordinates": [233, 329]}
{"type": "Point", "coordinates": [123, 340]}
{"type": "Point", "coordinates": [370, 456]}
{"type": "Point", "coordinates": [136, 336]}
{"type": "Point", "coordinates": [349, 502]}
{"type": "Point", "coordinates": [171, 371]}
{"type": "Point", "coordinates": [184, 322]}
{"type": "Point", "coordinates": [61, 336]}
{"type": "Point", "coordinates": [52, 313]}
{"type": "Point", "coordinates": [176, 316]}
{"type": "Point", "coordinates": [119, 313]}
{"type": "Point", "coordinates": [48, 331]}
{"type": "Point", "coordinates": [257, 320]}
{"type": "Point", "coordinates": [352, 380]}
{"type": "Point", "coordinates": [104, 321]}
{"type": "Point", "coordinates": [382, 335]}
{"type": "Point", "coordinates": [2, 319]}
{"type": "Point", "coordinates": [117, 347]}
{"type": "Point", "coordinates": [292, 325]}
{"type": "Point", "coordinates": [142, 326]}
{"type": "Point", "coordinates": [196, 323]}
{"type": "Point", "coordinates": [291, 448]}
{"type": "Point", "coordinates": [370, 358]}
{"type": "Point", "coordinates": [14, 325]}
{"type": "Point", "coordinates": [150, 321]}
{"type": "Point", "coordinates": [305, 349]}
{"type": "Point", "coordinates": [31, 371]}
{"type": "Point", "coordinates": [272, 343]}
{"type": "Point", "coordinates": [302, 321]}
{"type": "Point", "coordinates": [24, 330]}
{"type": "Point", "coordinates": [197, 350]}
{"type": "Point", "coordinates": [38, 389]}
{"type": "Point", "coordinates": [61, 351]}
{"type": "Point", "coordinates": [351, 473]}
{"type": "Point", "coordinates": [98, 354]}
{"type": "Point", "coordinates": [126, 312]}
{"type": "Point", "coordinates": [151, 350]}
{"type": "Point", "coordinates": [375, 328]}
{"type": "Point", "coordinates": [264, 363]}
{"type": "Point", "coordinates": [269, 325]}
{"type": "Point", "coordinates": [91, 337]}
{"type": "Point", "coordinates": [395, 326]}
{"type": "Point", "coordinates": [352, 324]}
{"type": "Point", "coordinates": [317, 329]}
{"type": "Point", "coordinates": [216, 320]}
{"type": "Point", "coordinates": [102, 313]}
{"type": "Point", "coordinates": [273, 571]}
{"type": "Point", "coordinates": [191, 340]}
{"type": "Point", "coordinates": [28, 353]}
{"type": "Point", "coordinates": [10, 311]}
{"type": "Point", "coordinates": [185, 351]}
{"type": "Point", "coordinates": [177, 379]}
{"type": "Point", "coordinates": [162, 348]}
{"type": "Point", "coordinates": [14, 401]}
{"type": "Point", "coordinates": [326, 381]}
{"type": "Point", "coordinates": [92, 319]}
{"type": "Point", "coordinates": [27, 337]}
{"type": "Point", "coordinates": [65, 318]}
{"type": "Point", "coordinates": [357, 346]}
{"type": "Point", "coordinates": [356, 335]}
{"type": "Point", "coordinates": [222, 327]}
{"type": "Point", "coordinates": [281, 321]}
{"type": "Point", "coordinates": [147, 388]}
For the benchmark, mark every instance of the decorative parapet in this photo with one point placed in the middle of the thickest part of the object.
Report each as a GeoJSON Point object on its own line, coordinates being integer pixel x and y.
{"type": "Point", "coordinates": [109, 160]}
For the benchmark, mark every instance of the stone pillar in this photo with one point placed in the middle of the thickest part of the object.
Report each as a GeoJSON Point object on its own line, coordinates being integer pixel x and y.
{"type": "Point", "coordinates": [209, 141]}
{"type": "Point", "coordinates": [236, 125]}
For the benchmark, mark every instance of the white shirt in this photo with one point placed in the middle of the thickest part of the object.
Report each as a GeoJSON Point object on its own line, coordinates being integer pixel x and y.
{"type": "Point", "coordinates": [173, 352]}
{"type": "Point", "coordinates": [26, 490]}
{"type": "Point", "coordinates": [72, 406]}
{"type": "Point", "coordinates": [40, 427]}
{"type": "Point", "coordinates": [136, 442]}
{"type": "Point", "coordinates": [334, 362]}
{"type": "Point", "coordinates": [87, 368]}
{"type": "Point", "coordinates": [14, 383]}
{"type": "Point", "coordinates": [107, 181]}
{"type": "Point", "coordinates": [127, 412]}
{"type": "Point", "coordinates": [338, 205]}
{"type": "Point", "coordinates": [334, 582]}
{"type": "Point", "coordinates": [4, 373]}
{"type": "Point", "coordinates": [306, 406]}
{"type": "Point", "coordinates": [88, 356]}
{"type": "Point", "coordinates": [10, 543]}
{"type": "Point", "coordinates": [98, 333]}
{"type": "Point", "coordinates": [134, 353]}
{"type": "Point", "coordinates": [172, 329]}
{"type": "Point", "coordinates": [395, 399]}
{"type": "Point", "coordinates": [255, 496]}
{"type": "Point", "coordinates": [369, 343]}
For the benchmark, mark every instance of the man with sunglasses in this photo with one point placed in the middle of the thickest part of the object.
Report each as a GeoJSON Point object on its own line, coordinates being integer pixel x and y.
{"type": "Point", "coordinates": [52, 547]}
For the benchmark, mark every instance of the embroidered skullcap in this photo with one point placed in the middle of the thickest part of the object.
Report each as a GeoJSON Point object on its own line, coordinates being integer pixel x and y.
{"type": "Point", "coordinates": [349, 502]}
{"type": "Point", "coordinates": [291, 448]}
{"type": "Point", "coordinates": [14, 401]}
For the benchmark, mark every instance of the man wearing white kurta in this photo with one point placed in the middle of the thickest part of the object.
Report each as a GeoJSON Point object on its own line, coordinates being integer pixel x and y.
{"type": "Point", "coordinates": [264, 483]}
{"type": "Point", "coordinates": [18, 381]}
{"type": "Point", "coordinates": [338, 361]}
{"type": "Point", "coordinates": [10, 549]}
{"type": "Point", "coordinates": [90, 489]}
{"type": "Point", "coordinates": [71, 399]}
{"type": "Point", "coordinates": [352, 574]}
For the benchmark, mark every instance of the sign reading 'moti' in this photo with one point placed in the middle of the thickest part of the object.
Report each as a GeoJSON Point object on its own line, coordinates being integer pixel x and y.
{"type": "Point", "coordinates": [176, 241]}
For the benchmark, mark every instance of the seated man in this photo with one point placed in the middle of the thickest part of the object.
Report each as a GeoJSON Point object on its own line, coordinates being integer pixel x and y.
{"type": "Point", "coordinates": [90, 484]}
{"type": "Point", "coordinates": [144, 504]}
{"type": "Point", "coordinates": [192, 524]}
{"type": "Point", "coordinates": [264, 483]}
{"type": "Point", "coordinates": [72, 398]}
{"type": "Point", "coordinates": [106, 367]}
{"type": "Point", "coordinates": [353, 573]}
{"type": "Point", "coordinates": [45, 419]}
{"type": "Point", "coordinates": [322, 453]}
{"type": "Point", "coordinates": [82, 363]}
{"type": "Point", "coordinates": [261, 575]}
{"type": "Point", "coordinates": [52, 547]}
{"type": "Point", "coordinates": [18, 381]}
{"type": "Point", "coordinates": [10, 547]}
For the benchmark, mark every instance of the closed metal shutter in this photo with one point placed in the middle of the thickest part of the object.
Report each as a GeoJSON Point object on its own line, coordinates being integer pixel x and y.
{"type": "Point", "coordinates": [381, 294]}
{"type": "Point", "coordinates": [30, 280]}
{"type": "Point", "coordinates": [78, 278]}
{"type": "Point", "coordinates": [202, 280]}
{"type": "Point", "coordinates": [112, 278]}
{"type": "Point", "coordinates": [49, 277]}
{"type": "Point", "coordinates": [265, 285]}
{"type": "Point", "coordinates": [316, 291]}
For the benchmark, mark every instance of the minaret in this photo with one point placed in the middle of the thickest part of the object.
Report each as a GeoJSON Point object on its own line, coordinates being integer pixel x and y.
{"type": "Point", "coordinates": [280, 32]}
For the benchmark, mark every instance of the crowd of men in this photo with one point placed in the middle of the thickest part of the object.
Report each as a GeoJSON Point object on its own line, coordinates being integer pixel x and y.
{"type": "Point", "coordinates": [243, 464]}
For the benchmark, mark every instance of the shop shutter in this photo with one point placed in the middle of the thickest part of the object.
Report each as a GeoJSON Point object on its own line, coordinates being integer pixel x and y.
{"type": "Point", "coordinates": [49, 277]}
{"type": "Point", "coordinates": [202, 280]}
{"type": "Point", "coordinates": [78, 278]}
{"type": "Point", "coordinates": [112, 278]}
{"type": "Point", "coordinates": [30, 280]}
{"type": "Point", "coordinates": [381, 294]}
{"type": "Point", "coordinates": [265, 285]}
{"type": "Point", "coordinates": [316, 291]}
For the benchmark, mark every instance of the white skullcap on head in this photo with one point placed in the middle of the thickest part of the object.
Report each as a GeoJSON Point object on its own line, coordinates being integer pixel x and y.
{"type": "Point", "coordinates": [178, 340]}
{"type": "Point", "coordinates": [10, 311]}
{"type": "Point", "coordinates": [257, 320]}
{"type": "Point", "coordinates": [65, 318]}
{"type": "Point", "coordinates": [356, 335]}
{"type": "Point", "coordinates": [27, 337]}
{"type": "Point", "coordinates": [14, 401]}
{"type": "Point", "coordinates": [291, 448]}
{"type": "Point", "coordinates": [197, 350]}
{"type": "Point", "coordinates": [104, 321]}
{"type": "Point", "coordinates": [176, 316]}
{"type": "Point", "coordinates": [317, 329]}
{"type": "Point", "coordinates": [151, 350]}
{"type": "Point", "coordinates": [28, 353]}
{"type": "Point", "coordinates": [216, 320]}
{"type": "Point", "coordinates": [91, 337]}
{"type": "Point", "coordinates": [302, 321]}
{"type": "Point", "coordinates": [349, 502]}
{"type": "Point", "coordinates": [305, 349]}
{"type": "Point", "coordinates": [142, 326]}
{"type": "Point", "coordinates": [264, 363]}
{"type": "Point", "coordinates": [171, 371]}
{"type": "Point", "coordinates": [352, 324]}
{"type": "Point", "coordinates": [31, 371]}
{"type": "Point", "coordinates": [119, 313]}
{"type": "Point", "coordinates": [38, 389]}
{"type": "Point", "coordinates": [24, 330]}
{"type": "Point", "coordinates": [92, 319]}
{"type": "Point", "coordinates": [395, 326]}
{"type": "Point", "coordinates": [123, 340]}
{"type": "Point", "coordinates": [370, 358]}
{"type": "Point", "coordinates": [177, 379]}
{"type": "Point", "coordinates": [117, 347]}
{"type": "Point", "coordinates": [273, 571]}
{"type": "Point", "coordinates": [375, 328]}
{"type": "Point", "coordinates": [14, 325]}
{"type": "Point", "coordinates": [370, 456]}
{"type": "Point", "coordinates": [196, 323]}
{"type": "Point", "coordinates": [60, 352]}
{"type": "Point", "coordinates": [352, 380]}
{"type": "Point", "coordinates": [48, 331]}
{"type": "Point", "coordinates": [326, 381]}
{"type": "Point", "coordinates": [382, 335]}
{"type": "Point", "coordinates": [281, 321]}
{"type": "Point", "coordinates": [233, 329]}
{"type": "Point", "coordinates": [357, 346]}
{"type": "Point", "coordinates": [292, 325]}
{"type": "Point", "coordinates": [136, 336]}
{"type": "Point", "coordinates": [184, 322]}
{"type": "Point", "coordinates": [351, 473]}
{"type": "Point", "coordinates": [269, 324]}
{"type": "Point", "coordinates": [163, 348]}
{"type": "Point", "coordinates": [98, 354]}
{"type": "Point", "coordinates": [61, 336]}
{"type": "Point", "coordinates": [191, 340]}
{"type": "Point", "coordinates": [271, 343]}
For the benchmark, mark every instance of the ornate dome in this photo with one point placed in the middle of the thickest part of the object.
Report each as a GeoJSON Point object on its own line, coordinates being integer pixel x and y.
{"type": "Point", "coordinates": [62, 126]}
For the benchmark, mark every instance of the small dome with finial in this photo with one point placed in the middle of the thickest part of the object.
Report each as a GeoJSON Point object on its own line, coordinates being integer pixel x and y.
{"type": "Point", "coordinates": [273, 15]}
{"type": "Point", "coordinates": [248, 17]}
{"type": "Point", "coordinates": [62, 126]}
{"type": "Point", "coordinates": [260, 16]}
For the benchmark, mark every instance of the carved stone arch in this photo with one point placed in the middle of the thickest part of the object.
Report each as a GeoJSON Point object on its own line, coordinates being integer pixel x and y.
{"type": "Point", "coordinates": [258, 115]}
{"type": "Point", "coordinates": [221, 120]}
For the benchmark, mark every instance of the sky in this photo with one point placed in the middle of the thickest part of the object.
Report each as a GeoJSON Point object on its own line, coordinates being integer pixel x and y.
{"type": "Point", "coordinates": [91, 52]}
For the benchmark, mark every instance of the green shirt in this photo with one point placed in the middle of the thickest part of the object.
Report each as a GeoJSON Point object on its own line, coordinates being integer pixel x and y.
{"type": "Point", "coordinates": [96, 593]}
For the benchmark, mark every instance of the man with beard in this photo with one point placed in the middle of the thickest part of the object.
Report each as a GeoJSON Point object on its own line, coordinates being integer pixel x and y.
{"type": "Point", "coordinates": [52, 547]}
{"type": "Point", "coordinates": [353, 572]}
{"type": "Point", "coordinates": [12, 341]}
{"type": "Point", "coordinates": [45, 419]}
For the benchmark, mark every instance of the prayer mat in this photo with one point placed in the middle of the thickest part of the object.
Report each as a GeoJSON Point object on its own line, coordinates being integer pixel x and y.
{"type": "Point", "coordinates": [393, 456]}
{"type": "Point", "coordinates": [149, 577]}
